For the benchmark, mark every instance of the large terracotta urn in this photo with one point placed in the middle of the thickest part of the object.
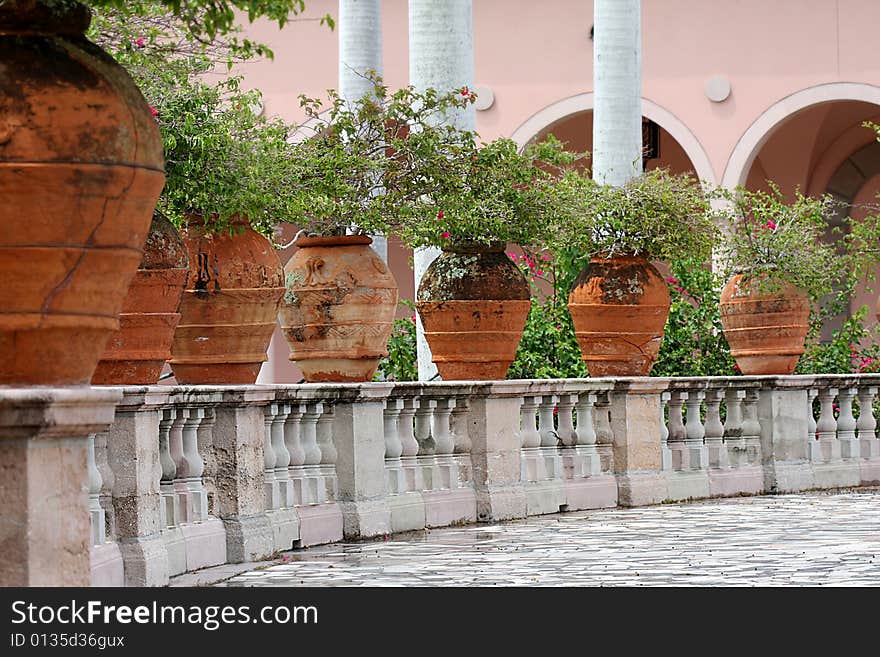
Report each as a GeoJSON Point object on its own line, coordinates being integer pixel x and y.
{"type": "Point", "coordinates": [766, 332]}
{"type": "Point", "coordinates": [338, 308]}
{"type": "Point", "coordinates": [137, 352]}
{"type": "Point", "coordinates": [619, 308]}
{"type": "Point", "coordinates": [473, 303]}
{"type": "Point", "coordinates": [81, 169]}
{"type": "Point", "coordinates": [229, 306]}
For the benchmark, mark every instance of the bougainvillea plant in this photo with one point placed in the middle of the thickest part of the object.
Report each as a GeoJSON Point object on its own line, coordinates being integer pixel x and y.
{"type": "Point", "coordinates": [658, 215]}
{"type": "Point", "coordinates": [487, 193]}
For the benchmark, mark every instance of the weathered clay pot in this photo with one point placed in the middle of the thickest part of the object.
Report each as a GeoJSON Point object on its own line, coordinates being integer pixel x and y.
{"type": "Point", "coordinates": [80, 172]}
{"type": "Point", "coordinates": [473, 302]}
{"type": "Point", "coordinates": [619, 308]}
{"type": "Point", "coordinates": [229, 307]}
{"type": "Point", "coordinates": [338, 308]}
{"type": "Point", "coordinates": [136, 353]}
{"type": "Point", "coordinates": [766, 333]}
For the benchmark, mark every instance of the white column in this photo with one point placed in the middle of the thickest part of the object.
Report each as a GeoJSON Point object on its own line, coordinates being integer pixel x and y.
{"type": "Point", "coordinates": [360, 51]}
{"type": "Point", "coordinates": [617, 72]}
{"type": "Point", "coordinates": [441, 55]}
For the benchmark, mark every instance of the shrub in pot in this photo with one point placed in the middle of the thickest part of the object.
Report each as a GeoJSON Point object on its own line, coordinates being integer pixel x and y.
{"type": "Point", "coordinates": [364, 163]}
{"type": "Point", "coordinates": [472, 300]}
{"type": "Point", "coordinates": [619, 302]}
{"type": "Point", "coordinates": [779, 267]}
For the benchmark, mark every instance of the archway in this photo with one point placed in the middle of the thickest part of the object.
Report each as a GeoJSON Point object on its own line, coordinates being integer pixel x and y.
{"type": "Point", "coordinates": [571, 121]}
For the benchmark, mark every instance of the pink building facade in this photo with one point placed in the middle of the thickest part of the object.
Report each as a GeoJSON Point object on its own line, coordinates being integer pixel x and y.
{"type": "Point", "coordinates": [742, 90]}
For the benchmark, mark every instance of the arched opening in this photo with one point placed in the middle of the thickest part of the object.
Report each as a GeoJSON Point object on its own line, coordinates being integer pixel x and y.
{"type": "Point", "coordinates": [571, 121]}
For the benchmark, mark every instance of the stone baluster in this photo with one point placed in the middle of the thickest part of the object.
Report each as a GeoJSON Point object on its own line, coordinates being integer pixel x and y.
{"type": "Point", "coordinates": [423, 421]}
{"type": "Point", "coordinates": [444, 445]}
{"type": "Point", "coordinates": [175, 448]}
{"type": "Point", "coordinates": [697, 454]}
{"type": "Point", "coordinates": [869, 445]}
{"type": "Point", "coordinates": [309, 440]}
{"type": "Point", "coordinates": [205, 449]}
{"type": "Point", "coordinates": [391, 421]}
{"type": "Point", "coordinates": [459, 424]}
{"type": "Point", "coordinates": [733, 429]}
{"type": "Point", "coordinates": [328, 452]}
{"type": "Point", "coordinates": [665, 454]}
{"type": "Point", "coordinates": [677, 430]}
{"type": "Point", "coordinates": [406, 428]}
{"type": "Point", "coordinates": [751, 428]}
{"type": "Point", "coordinates": [410, 444]}
{"type": "Point", "coordinates": [190, 468]}
{"type": "Point", "coordinates": [565, 429]}
{"type": "Point", "coordinates": [846, 425]}
{"type": "Point", "coordinates": [441, 430]}
{"type": "Point", "coordinates": [167, 508]}
{"type": "Point", "coordinates": [714, 430]}
{"type": "Point", "coordinates": [548, 434]}
{"type": "Point", "coordinates": [96, 512]}
{"type": "Point", "coordinates": [461, 436]}
{"type": "Point", "coordinates": [394, 476]}
{"type": "Point", "coordinates": [587, 463]}
{"type": "Point", "coordinates": [270, 484]}
{"type": "Point", "coordinates": [529, 435]}
{"type": "Point", "coordinates": [826, 427]}
{"type": "Point", "coordinates": [604, 434]}
{"type": "Point", "coordinates": [108, 483]}
{"type": "Point", "coordinates": [811, 419]}
{"type": "Point", "coordinates": [293, 442]}
{"type": "Point", "coordinates": [281, 471]}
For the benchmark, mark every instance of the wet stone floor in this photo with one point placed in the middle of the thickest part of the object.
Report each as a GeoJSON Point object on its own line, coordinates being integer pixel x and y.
{"type": "Point", "coordinates": [807, 539]}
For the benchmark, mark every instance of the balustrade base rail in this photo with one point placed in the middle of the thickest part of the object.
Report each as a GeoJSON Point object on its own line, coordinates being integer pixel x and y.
{"type": "Point", "coordinates": [189, 477]}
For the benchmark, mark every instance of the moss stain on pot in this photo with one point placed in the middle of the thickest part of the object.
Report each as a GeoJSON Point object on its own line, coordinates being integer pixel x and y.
{"type": "Point", "coordinates": [457, 276]}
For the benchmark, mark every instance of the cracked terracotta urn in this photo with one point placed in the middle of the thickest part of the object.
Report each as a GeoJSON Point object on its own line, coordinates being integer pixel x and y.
{"type": "Point", "coordinates": [81, 169]}
{"type": "Point", "coordinates": [619, 308]}
{"type": "Point", "coordinates": [473, 303]}
{"type": "Point", "coordinates": [229, 306]}
{"type": "Point", "coordinates": [137, 352]}
{"type": "Point", "coordinates": [766, 332]}
{"type": "Point", "coordinates": [338, 308]}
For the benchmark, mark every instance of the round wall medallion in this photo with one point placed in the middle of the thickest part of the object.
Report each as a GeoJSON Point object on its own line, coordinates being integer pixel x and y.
{"type": "Point", "coordinates": [485, 98]}
{"type": "Point", "coordinates": [717, 88]}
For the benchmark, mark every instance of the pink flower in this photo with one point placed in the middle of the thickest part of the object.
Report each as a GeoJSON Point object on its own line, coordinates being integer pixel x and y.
{"type": "Point", "coordinates": [559, 326]}
{"type": "Point", "coordinates": [465, 92]}
{"type": "Point", "coordinates": [672, 281]}
{"type": "Point", "coordinates": [545, 257]}
{"type": "Point", "coordinates": [154, 111]}
{"type": "Point", "coordinates": [440, 214]}
{"type": "Point", "coordinates": [512, 256]}
{"type": "Point", "coordinates": [531, 264]}
{"type": "Point", "coordinates": [679, 288]}
{"type": "Point", "coordinates": [770, 224]}
{"type": "Point", "coordinates": [539, 272]}
{"type": "Point", "coordinates": [445, 234]}
{"type": "Point", "coordinates": [139, 42]}
{"type": "Point", "coordinates": [736, 368]}
{"type": "Point", "coordinates": [412, 318]}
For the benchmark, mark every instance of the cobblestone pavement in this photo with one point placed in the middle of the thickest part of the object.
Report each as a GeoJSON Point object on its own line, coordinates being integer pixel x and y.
{"type": "Point", "coordinates": [807, 539]}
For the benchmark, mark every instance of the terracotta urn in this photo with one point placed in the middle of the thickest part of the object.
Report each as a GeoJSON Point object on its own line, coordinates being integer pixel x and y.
{"type": "Point", "coordinates": [137, 352]}
{"type": "Point", "coordinates": [473, 303]}
{"type": "Point", "coordinates": [619, 308]}
{"type": "Point", "coordinates": [229, 306]}
{"type": "Point", "coordinates": [81, 169]}
{"type": "Point", "coordinates": [338, 308]}
{"type": "Point", "coordinates": [766, 332]}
